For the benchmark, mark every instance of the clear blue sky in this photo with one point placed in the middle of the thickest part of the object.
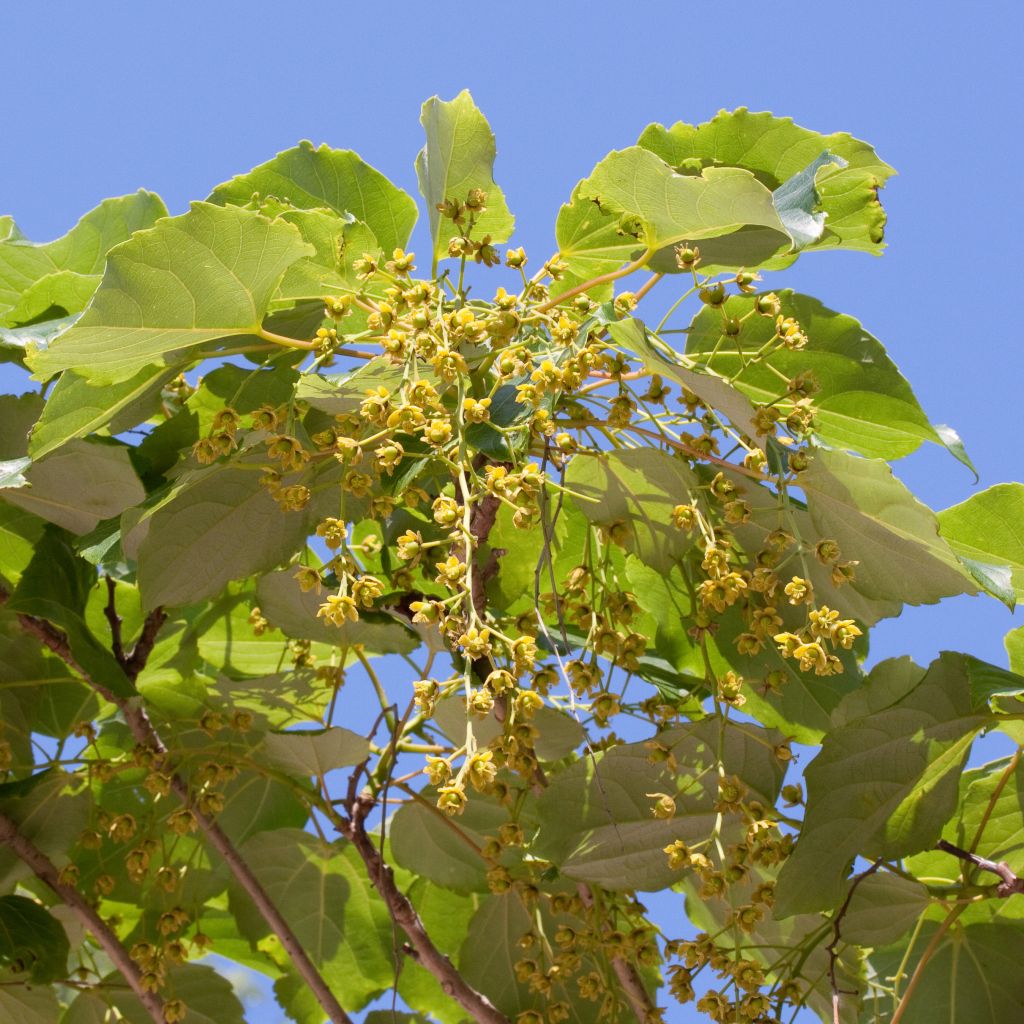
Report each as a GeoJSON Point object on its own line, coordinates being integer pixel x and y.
{"type": "Point", "coordinates": [100, 99]}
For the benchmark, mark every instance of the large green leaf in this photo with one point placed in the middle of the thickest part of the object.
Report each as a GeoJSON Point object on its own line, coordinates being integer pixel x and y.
{"type": "Point", "coordinates": [27, 1005]}
{"type": "Point", "coordinates": [446, 851]}
{"type": "Point", "coordinates": [668, 207]}
{"type": "Point", "coordinates": [76, 407]}
{"type": "Point", "coordinates": [880, 524]}
{"type": "Point", "coordinates": [17, 415]}
{"type": "Point", "coordinates": [55, 586]}
{"type": "Point", "coordinates": [972, 977]}
{"type": "Point", "coordinates": [208, 996]}
{"type": "Point", "coordinates": [312, 177]}
{"type": "Point", "coordinates": [459, 157]}
{"type": "Point", "coordinates": [493, 947]}
{"type": "Point", "coordinates": [54, 295]}
{"type": "Point", "coordinates": [775, 149]}
{"type": "Point", "coordinates": [590, 243]}
{"type": "Point", "coordinates": [190, 280]}
{"type": "Point", "coordinates": [864, 404]}
{"type": "Point", "coordinates": [222, 527]}
{"type": "Point", "coordinates": [79, 485]}
{"type": "Point", "coordinates": [82, 250]}
{"type": "Point", "coordinates": [637, 490]}
{"type": "Point", "coordinates": [883, 785]}
{"type": "Point", "coordinates": [707, 385]}
{"type": "Point", "coordinates": [315, 752]}
{"type": "Point", "coordinates": [988, 530]}
{"type": "Point", "coordinates": [294, 612]}
{"type": "Point", "coordinates": [884, 907]}
{"type": "Point", "coordinates": [32, 940]}
{"type": "Point", "coordinates": [324, 894]}
{"type": "Point", "coordinates": [50, 809]}
{"type": "Point", "coordinates": [596, 818]}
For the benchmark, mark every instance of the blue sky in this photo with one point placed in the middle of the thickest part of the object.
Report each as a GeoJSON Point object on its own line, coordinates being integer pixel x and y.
{"type": "Point", "coordinates": [103, 98]}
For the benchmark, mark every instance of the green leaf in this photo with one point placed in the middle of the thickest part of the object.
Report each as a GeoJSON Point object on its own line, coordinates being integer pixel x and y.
{"type": "Point", "coordinates": [988, 529]}
{"type": "Point", "coordinates": [590, 244]}
{"type": "Point", "coordinates": [797, 199]}
{"type": "Point", "coordinates": [32, 940]}
{"type": "Point", "coordinates": [707, 385]}
{"type": "Point", "coordinates": [294, 612]}
{"type": "Point", "coordinates": [955, 446]}
{"type": "Point", "coordinates": [79, 485]}
{"type": "Point", "coordinates": [662, 207]}
{"type": "Point", "coordinates": [19, 533]}
{"type": "Point", "coordinates": [311, 177]}
{"type": "Point", "coordinates": [596, 820]}
{"type": "Point", "coordinates": [209, 997]}
{"type": "Point", "coordinates": [76, 407]}
{"type": "Point", "coordinates": [1014, 643]}
{"type": "Point", "coordinates": [864, 404]}
{"type": "Point", "coordinates": [775, 149]}
{"type": "Point", "coordinates": [17, 343]}
{"type": "Point", "coordinates": [13, 473]}
{"type": "Point", "coordinates": [493, 947]}
{"type": "Point", "coordinates": [879, 523]}
{"type": "Point", "coordinates": [338, 242]}
{"type": "Point", "coordinates": [324, 894]}
{"type": "Point", "coordinates": [188, 281]}
{"type": "Point", "coordinates": [17, 415]}
{"type": "Point", "coordinates": [315, 752]}
{"type": "Point", "coordinates": [27, 1005]}
{"type": "Point", "coordinates": [458, 157]}
{"type": "Point", "coordinates": [54, 295]}
{"type": "Point", "coordinates": [446, 851]}
{"type": "Point", "coordinates": [636, 491]}
{"type": "Point", "coordinates": [222, 526]}
{"type": "Point", "coordinates": [883, 909]}
{"type": "Point", "coordinates": [55, 586]}
{"type": "Point", "coordinates": [82, 250]}
{"type": "Point", "coordinates": [882, 786]}
{"type": "Point", "coordinates": [50, 809]}
{"type": "Point", "coordinates": [972, 977]}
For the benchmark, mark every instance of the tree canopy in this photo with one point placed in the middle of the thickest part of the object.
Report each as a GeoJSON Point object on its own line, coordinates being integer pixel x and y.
{"type": "Point", "coordinates": [604, 574]}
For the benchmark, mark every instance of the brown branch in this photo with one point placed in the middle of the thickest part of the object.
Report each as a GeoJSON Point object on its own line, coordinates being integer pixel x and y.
{"type": "Point", "coordinates": [136, 661]}
{"type": "Point", "coordinates": [404, 915]}
{"type": "Point", "coordinates": [110, 611]}
{"type": "Point", "coordinates": [1010, 883]}
{"type": "Point", "coordinates": [146, 735]}
{"type": "Point", "coordinates": [833, 947]}
{"type": "Point", "coordinates": [628, 975]}
{"type": "Point", "coordinates": [46, 871]}
{"type": "Point", "coordinates": [926, 956]}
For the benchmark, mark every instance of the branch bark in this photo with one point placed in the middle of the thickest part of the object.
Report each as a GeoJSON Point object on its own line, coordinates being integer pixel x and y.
{"type": "Point", "coordinates": [145, 734]}
{"type": "Point", "coordinates": [1010, 883]}
{"type": "Point", "coordinates": [46, 871]}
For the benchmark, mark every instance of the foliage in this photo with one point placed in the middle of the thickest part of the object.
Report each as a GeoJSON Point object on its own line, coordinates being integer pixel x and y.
{"type": "Point", "coordinates": [600, 572]}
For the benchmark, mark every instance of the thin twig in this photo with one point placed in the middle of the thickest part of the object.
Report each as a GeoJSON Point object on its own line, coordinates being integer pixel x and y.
{"type": "Point", "coordinates": [45, 870]}
{"type": "Point", "coordinates": [110, 611]}
{"type": "Point", "coordinates": [915, 978]}
{"type": "Point", "coordinates": [1010, 883]}
{"type": "Point", "coordinates": [833, 947]}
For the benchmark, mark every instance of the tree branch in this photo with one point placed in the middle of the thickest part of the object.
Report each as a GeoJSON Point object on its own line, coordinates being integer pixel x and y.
{"type": "Point", "coordinates": [146, 735]}
{"type": "Point", "coordinates": [628, 975]}
{"type": "Point", "coordinates": [404, 914]}
{"type": "Point", "coordinates": [110, 611]}
{"type": "Point", "coordinates": [1010, 883]}
{"type": "Point", "coordinates": [46, 871]}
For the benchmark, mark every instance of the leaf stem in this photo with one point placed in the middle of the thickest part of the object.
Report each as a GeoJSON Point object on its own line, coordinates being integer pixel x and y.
{"type": "Point", "coordinates": [613, 275]}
